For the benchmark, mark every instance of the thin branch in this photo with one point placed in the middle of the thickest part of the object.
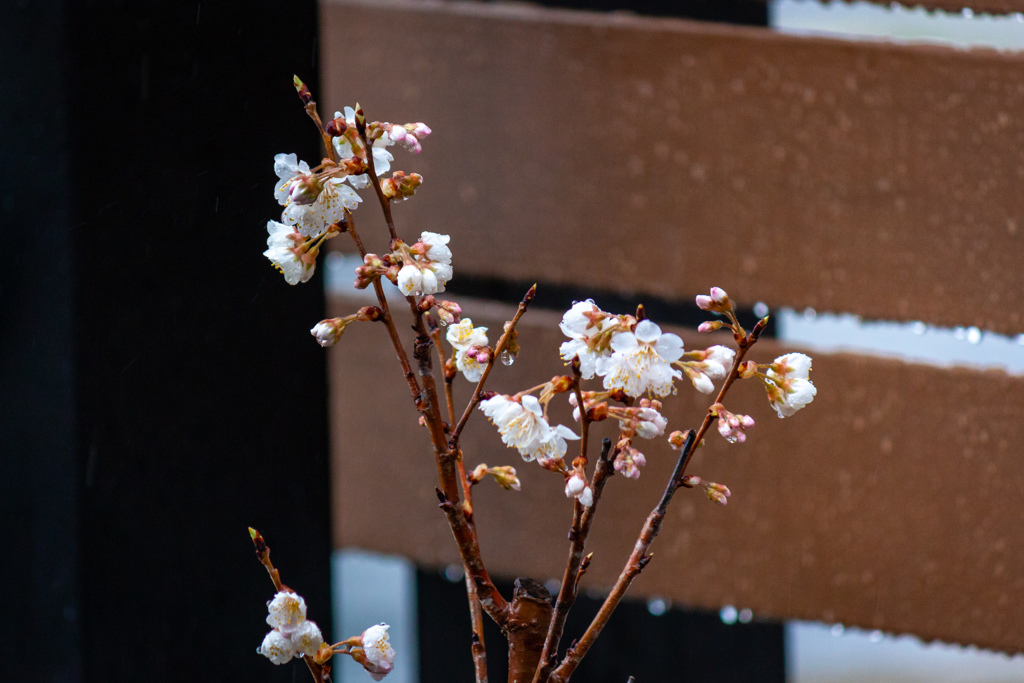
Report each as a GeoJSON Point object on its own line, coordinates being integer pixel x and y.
{"type": "Point", "coordinates": [321, 673]}
{"type": "Point", "coordinates": [478, 647]}
{"type": "Point", "coordinates": [385, 203]}
{"type": "Point", "coordinates": [639, 558]}
{"type": "Point", "coordinates": [490, 599]}
{"type": "Point", "coordinates": [389, 322]}
{"type": "Point", "coordinates": [581, 523]}
{"type": "Point", "coordinates": [453, 440]}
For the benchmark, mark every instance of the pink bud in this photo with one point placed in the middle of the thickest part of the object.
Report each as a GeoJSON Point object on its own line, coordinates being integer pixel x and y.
{"type": "Point", "coordinates": [705, 303]}
{"type": "Point", "coordinates": [719, 296]}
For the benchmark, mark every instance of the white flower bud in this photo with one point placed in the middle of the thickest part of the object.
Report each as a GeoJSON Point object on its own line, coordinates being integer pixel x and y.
{"type": "Point", "coordinates": [378, 653]}
{"type": "Point", "coordinates": [287, 610]}
{"type": "Point", "coordinates": [306, 639]}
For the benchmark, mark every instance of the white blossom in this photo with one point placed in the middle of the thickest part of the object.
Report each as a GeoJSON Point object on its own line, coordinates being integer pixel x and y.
{"type": "Point", "coordinates": [277, 647]}
{"type": "Point", "coordinates": [378, 654]}
{"type": "Point", "coordinates": [285, 252]}
{"type": "Point", "coordinates": [306, 638]}
{"type": "Point", "coordinates": [578, 323]}
{"type": "Point", "coordinates": [640, 361]}
{"type": "Point", "coordinates": [438, 247]}
{"type": "Point", "coordinates": [463, 337]}
{"type": "Point", "coordinates": [309, 203]}
{"type": "Point", "coordinates": [789, 388]}
{"type": "Point", "coordinates": [718, 362]}
{"type": "Point", "coordinates": [286, 611]}
{"type": "Point", "coordinates": [522, 426]}
{"type": "Point", "coordinates": [410, 279]}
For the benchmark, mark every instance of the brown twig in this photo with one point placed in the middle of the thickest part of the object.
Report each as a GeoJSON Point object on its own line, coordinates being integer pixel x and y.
{"type": "Point", "coordinates": [385, 203]}
{"type": "Point", "coordinates": [490, 599]}
{"type": "Point", "coordinates": [389, 322]}
{"type": "Point", "coordinates": [453, 440]}
{"type": "Point", "coordinates": [320, 672]}
{"type": "Point", "coordinates": [477, 646]}
{"type": "Point", "coordinates": [639, 558]}
{"type": "Point", "coordinates": [578, 534]}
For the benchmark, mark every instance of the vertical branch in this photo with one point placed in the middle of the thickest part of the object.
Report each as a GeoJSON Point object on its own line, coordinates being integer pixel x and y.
{"type": "Point", "coordinates": [639, 558]}
{"type": "Point", "coordinates": [478, 646]}
{"type": "Point", "coordinates": [570, 579]}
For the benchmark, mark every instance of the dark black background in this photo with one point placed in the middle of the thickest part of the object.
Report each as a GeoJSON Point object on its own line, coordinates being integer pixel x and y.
{"type": "Point", "coordinates": [158, 393]}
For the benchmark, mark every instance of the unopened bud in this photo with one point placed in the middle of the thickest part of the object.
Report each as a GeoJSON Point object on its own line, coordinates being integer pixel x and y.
{"type": "Point", "coordinates": [506, 477]}
{"type": "Point", "coordinates": [560, 384]}
{"type": "Point", "coordinates": [336, 127]}
{"type": "Point", "coordinates": [305, 190]}
{"type": "Point", "coordinates": [303, 91]}
{"type": "Point", "coordinates": [426, 303]}
{"type": "Point", "coordinates": [370, 314]}
{"type": "Point", "coordinates": [677, 439]}
{"type": "Point", "coordinates": [598, 412]}
{"type": "Point", "coordinates": [717, 497]}
{"type": "Point", "coordinates": [709, 326]}
{"type": "Point", "coordinates": [691, 481]}
{"type": "Point", "coordinates": [328, 332]}
{"type": "Point", "coordinates": [747, 369]}
{"type": "Point", "coordinates": [360, 121]}
{"type": "Point", "coordinates": [719, 296]}
{"type": "Point", "coordinates": [512, 341]}
{"type": "Point", "coordinates": [477, 475]}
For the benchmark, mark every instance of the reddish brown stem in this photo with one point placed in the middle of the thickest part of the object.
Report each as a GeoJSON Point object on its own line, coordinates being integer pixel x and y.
{"type": "Point", "coordinates": [453, 440]}
{"type": "Point", "coordinates": [389, 322]}
{"type": "Point", "coordinates": [385, 203]}
{"type": "Point", "coordinates": [477, 645]}
{"type": "Point", "coordinates": [490, 599]}
{"type": "Point", "coordinates": [581, 523]}
{"type": "Point", "coordinates": [639, 558]}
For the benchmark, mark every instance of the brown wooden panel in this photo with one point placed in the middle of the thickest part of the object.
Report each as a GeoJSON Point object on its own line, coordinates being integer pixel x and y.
{"type": "Point", "coordinates": [895, 501]}
{"type": "Point", "coordinates": [867, 178]}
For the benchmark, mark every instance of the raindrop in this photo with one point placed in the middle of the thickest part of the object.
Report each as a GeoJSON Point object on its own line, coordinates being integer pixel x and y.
{"type": "Point", "coordinates": [837, 630]}
{"type": "Point", "coordinates": [745, 616]}
{"type": "Point", "coordinates": [728, 614]}
{"type": "Point", "coordinates": [973, 335]}
{"type": "Point", "coordinates": [760, 309]}
{"type": "Point", "coordinates": [918, 327]}
{"type": "Point", "coordinates": [657, 606]}
{"type": "Point", "coordinates": [876, 636]}
{"type": "Point", "coordinates": [810, 313]}
{"type": "Point", "coordinates": [506, 358]}
{"type": "Point", "coordinates": [453, 573]}
{"type": "Point", "coordinates": [442, 322]}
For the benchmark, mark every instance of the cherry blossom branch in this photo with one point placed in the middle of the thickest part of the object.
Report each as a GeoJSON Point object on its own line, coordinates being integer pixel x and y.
{"type": "Point", "coordinates": [490, 599]}
{"type": "Point", "coordinates": [453, 440]}
{"type": "Point", "coordinates": [310, 105]}
{"type": "Point", "coordinates": [639, 558]}
{"type": "Point", "coordinates": [574, 567]}
{"type": "Point", "coordinates": [477, 646]}
{"type": "Point", "coordinates": [321, 674]}
{"type": "Point", "coordinates": [448, 377]}
{"type": "Point", "coordinates": [389, 322]}
{"type": "Point", "coordinates": [385, 203]}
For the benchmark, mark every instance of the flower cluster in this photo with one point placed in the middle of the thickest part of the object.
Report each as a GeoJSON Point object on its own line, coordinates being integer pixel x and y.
{"type": "Point", "coordinates": [522, 425]}
{"type": "Point", "coordinates": [633, 356]}
{"type": "Point", "coordinates": [470, 347]}
{"type": "Point", "coordinates": [427, 265]}
{"type": "Point", "coordinates": [291, 635]}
